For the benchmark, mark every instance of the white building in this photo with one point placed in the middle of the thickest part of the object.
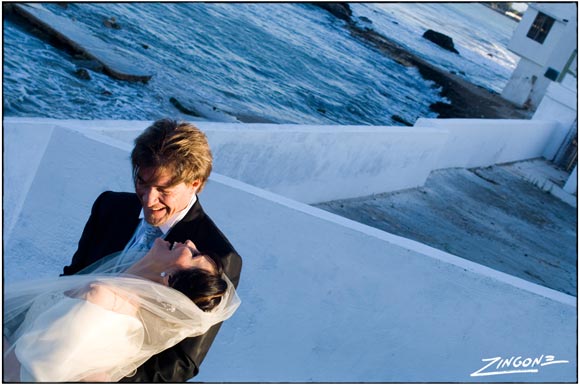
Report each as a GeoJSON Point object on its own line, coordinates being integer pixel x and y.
{"type": "Point", "coordinates": [546, 41]}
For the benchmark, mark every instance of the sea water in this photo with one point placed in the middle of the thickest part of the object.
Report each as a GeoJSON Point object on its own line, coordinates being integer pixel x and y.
{"type": "Point", "coordinates": [279, 62]}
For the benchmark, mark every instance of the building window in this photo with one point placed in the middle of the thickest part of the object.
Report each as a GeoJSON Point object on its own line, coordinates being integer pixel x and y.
{"type": "Point", "coordinates": [541, 27]}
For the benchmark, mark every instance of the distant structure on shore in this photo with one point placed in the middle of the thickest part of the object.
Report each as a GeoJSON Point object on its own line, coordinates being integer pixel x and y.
{"type": "Point", "coordinates": [511, 10]}
{"type": "Point", "coordinates": [546, 77]}
{"type": "Point", "coordinates": [546, 41]}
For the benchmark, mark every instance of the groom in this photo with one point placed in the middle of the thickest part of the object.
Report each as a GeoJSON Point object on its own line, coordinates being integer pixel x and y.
{"type": "Point", "coordinates": [171, 162]}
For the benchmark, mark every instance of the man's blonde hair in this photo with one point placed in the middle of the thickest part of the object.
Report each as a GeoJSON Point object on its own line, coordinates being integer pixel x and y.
{"type": "Point", "coordinates": [179, 147]}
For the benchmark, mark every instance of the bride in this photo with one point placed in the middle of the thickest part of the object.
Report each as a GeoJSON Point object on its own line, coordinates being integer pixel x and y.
{"type": "Point", "coordinates": [101, 325]}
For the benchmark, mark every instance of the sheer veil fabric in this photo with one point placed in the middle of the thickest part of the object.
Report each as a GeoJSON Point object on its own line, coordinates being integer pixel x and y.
{"type": "Point", "coordinates": [58, 335]}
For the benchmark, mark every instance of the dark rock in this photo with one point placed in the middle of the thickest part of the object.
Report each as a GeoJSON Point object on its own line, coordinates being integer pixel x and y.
{"type": "Point", "coordinates": [7, 8]}
{"type": "Point", "coordinates": [398, 119]}
{"type": "Point", "coordinates": [441, 40]}
{"type": "Point", "coordinates": [83, 74]}
{"type": "Point", "coordinates": [440, 107]}
{"type": "Point", "coordinates": [244, 118]}
{"type": "Point", "coordinates": [111, 23]}
{"type": "Point", "coordinates": [146, 46]}
{"type": "Point", "coordinates": [88, 64]}
{"type": "Point", "coordinates": [321, 110]}
{"type": "Point", "coordinates": [339, 10]}
{"type": "Point", "coordinates": [365, 20]}
{"type": "Point", "coordinates": [184, 109]}
{"type": "Point", "coordinates": [365, 23]}
{"type": "Point", "coordinates": [76, 40]}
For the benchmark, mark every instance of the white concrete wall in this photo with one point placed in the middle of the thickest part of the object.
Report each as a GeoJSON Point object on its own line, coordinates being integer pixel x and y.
{"type": "Point", "coordinates": [527, 84]}
{"type": "Point", "coordinates": [59, 189]}
{"type": "Point", "coordinates": [316, 163]}
{"type": "Point", "coordinates": [321, 163]}
{"type": "Point", "coordinates": [308, 163]}
{"type": "Point", "coordinates": [24, 146]}
{"type": "Point", "coordinates": [571, 185]}
{"type": "Point", "coordinates": [483, 142]}
{"type": "Point", "coordinates": [559, 105]}
{"type": "Point", "coordinates": [325, 299]}
{"type": "Point", "coordinates": [570, 80]}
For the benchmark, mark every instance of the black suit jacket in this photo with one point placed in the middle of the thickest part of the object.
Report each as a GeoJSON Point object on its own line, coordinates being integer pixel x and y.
{"type": "Point", "coordinates": [114, 218]}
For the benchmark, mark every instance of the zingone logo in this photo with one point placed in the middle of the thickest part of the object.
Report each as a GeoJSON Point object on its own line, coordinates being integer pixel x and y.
{"type": "Point", "coordinates": [498, 365]}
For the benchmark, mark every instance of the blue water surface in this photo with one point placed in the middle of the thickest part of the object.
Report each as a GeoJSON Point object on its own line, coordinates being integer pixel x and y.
{"type": "Point", "coordinates": [279, 62]}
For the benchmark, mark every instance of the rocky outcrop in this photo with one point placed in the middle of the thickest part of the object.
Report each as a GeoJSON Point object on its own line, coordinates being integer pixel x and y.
{"type": "Point", "coordinates": [467, 100]}
{"type": "Point", "coordinates": [76, 39]}
{"type": "Point", "coordinates": [83, 74]}
{"type": "Point", "coordinates": [339, 10]}
{"type": "Point", "coordinates": [441, 40]}
{"type": "Point", "coordinates": [188, 111]}
{"type": "Point", "coordinates": [111, 23]}
{"type": "Point", "coordinates": [399, 119]}
{"type": "Point", "coordinates": [443, 109]}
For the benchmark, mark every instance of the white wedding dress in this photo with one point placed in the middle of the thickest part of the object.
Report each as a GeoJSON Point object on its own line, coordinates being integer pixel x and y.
{"type": "Point", "coordinates": [60, 346]}
{"type": "Point", "coordinates": [59, 338]}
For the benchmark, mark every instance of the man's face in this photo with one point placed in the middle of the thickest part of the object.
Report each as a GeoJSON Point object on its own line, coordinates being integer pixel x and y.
{"type": "Point", "coordinates": [159, 199]}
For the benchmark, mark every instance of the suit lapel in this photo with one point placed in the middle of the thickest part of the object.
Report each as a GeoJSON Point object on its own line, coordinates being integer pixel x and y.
{"type": "Point", "coordinates": [194, 213]}
{"type": "Point", "coordinates": [184, 228]}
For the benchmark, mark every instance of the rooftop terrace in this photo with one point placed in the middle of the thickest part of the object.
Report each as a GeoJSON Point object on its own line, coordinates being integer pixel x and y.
{"type": "Point", "coordinates": [324, 298]}
{"type": "Point", "coordinates": [495, 216]}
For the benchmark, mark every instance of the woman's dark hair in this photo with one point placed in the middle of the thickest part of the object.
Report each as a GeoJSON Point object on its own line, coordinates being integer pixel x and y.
{"type": "Point", "coordinates": [205, 289]}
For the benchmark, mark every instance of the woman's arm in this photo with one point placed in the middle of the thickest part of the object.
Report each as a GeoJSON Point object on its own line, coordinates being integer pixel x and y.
{"type": "Point", "coordinates": [110, 298]}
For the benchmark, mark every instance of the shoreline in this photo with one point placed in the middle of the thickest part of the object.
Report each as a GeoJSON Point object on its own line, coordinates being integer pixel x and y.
{"type": "Point", "coordinates": [467, 100]}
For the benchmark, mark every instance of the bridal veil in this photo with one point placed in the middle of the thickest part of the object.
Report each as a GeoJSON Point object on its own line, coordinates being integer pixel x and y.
{"type": "Point", "coordinates": [59, 336]}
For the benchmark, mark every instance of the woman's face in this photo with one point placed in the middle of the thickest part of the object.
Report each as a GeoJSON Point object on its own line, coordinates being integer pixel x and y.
{"type": "Point", "coordinates": [189, 253]}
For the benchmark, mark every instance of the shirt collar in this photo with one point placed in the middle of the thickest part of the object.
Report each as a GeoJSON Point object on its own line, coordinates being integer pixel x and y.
{"type": "Point", "coordinates": [176, 217]}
